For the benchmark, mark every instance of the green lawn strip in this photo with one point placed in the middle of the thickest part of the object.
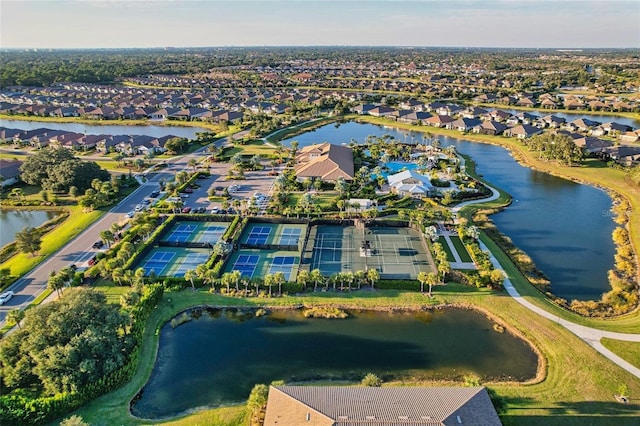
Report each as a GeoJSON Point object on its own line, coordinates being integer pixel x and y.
{"type": "Point", "coordinates": [295, 130]}
{"type": "Point", "coordinates": [250, 149]}
{"type": "Point", "coordinates": [578, 387]}
{"type": "Point", "coordinates": [323, 199]}
{"type": "Point", "coordinates": [629, 351]}
{"type": "Point", "coordinates": [77, 222]}
{"type": "Point", "coordinates": [447, 249]}
{"type": "Point", "coordinates": [462, 251]}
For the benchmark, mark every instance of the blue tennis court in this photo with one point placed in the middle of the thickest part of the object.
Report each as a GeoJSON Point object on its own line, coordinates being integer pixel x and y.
{"type": "Point", "coordinates": [183, 227]}
{"type": "Point", "coordinates": [259, 235]}
{"type": "Point", "coordinates": [158, 262]}
{"type": "Point", "coordinates": [283, 264]}
{"type": "Point", "coordinates": [290, 236]}
{"type": "Point", "coordinates": [246, 264]}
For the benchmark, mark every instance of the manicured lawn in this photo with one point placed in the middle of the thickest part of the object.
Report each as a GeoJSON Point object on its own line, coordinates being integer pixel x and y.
{"type": "Point", "coordinates": [630, 351]}
{"type": "Point", "coordinates": [322, 199]}
{"type": "Point", "coordinates": [462, 251]}
{"type": "Point", "coordinates": [447, 249]}
{"type": "Point", "coordinates": [77, 222]}
{"type": "Point", "coordinates": [250, 149]}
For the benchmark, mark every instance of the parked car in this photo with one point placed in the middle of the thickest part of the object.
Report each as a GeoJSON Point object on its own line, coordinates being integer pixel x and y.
{"type": "Point", "coordinates": [188, 190]}
{"type": "Point", "coordinates": [98, 244]}
{"type": "Point", "coordinates": [146, 201]}
{"type": "Point", "coordinates": [186, 210]}
{"type": "Point", "coordinates": [130, 214]}
{"type": "Point", "coordinates": [154, 194]}
{"type": "Point", "coordinates": [6, 296]}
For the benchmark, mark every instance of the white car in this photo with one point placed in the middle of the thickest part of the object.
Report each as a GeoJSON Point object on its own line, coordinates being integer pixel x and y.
{"type": "Point", "coordinates": [6, 296]}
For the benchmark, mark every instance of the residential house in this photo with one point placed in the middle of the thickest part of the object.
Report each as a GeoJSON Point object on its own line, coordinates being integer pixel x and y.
{"type": "Point", "coordinates": [9, 135]}
{"type": "Point", "coordinates": [490, 127]}
{"type": "Point", "coordinates": [499, 115]}
{"type": "Point", "coordinates": [381, 111]}
{"type": "Point", "coordinates": [9, 172]}
{"type": "Point", "coordinates": [438, 120]}
{"type": "Point", "coordinates": [522, 131]}
{"type": "Point", "coordinates": [582, 125]}
{"type": "Point", "coordinates": [591, 144]}
{"type": "Point", "coordinates": [626, 155]}
{"type": "Point", "coordinates": [630, 137]}
{"type": "Point", "coordinates": [552, 121]}
{"type": "Point", "coordinates": [325, 161]}
{"type": "Point", "coordinates": [463, 124]}
{"type": "Point", "coordinates": [417, 117]}
{"type": "Point", "coordinates": [410, 183]}
{"type": "Point", "coordinates": [363, 108]}
{"type": "Point", "coordinates": [372, 406]}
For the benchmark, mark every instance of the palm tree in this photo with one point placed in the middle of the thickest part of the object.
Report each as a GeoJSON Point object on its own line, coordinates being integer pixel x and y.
{"type": "Point", "coordinates": [56, 282]}
{"type": "Point", "coordinates": [373, 276]}
{"type": "Point", "coordinates": [15, 316]}
{"type": "Point", "coordinates": [139, 277]}
{"type": "Point", "coordinates": [315, 276]}
{"type": "Point", "coordinates": [279, 279]}
{"type": "Point", "coordinates": [235, 276]}
{"type": "Point", "coordinates": [226, 280]}
{"type": "Point", "coordinates": [268, 281]}
{"type": "Point", "coordinates": [444, 268]}
{"type": "Point", "coordinates": [189, 275]}
{"type": "Point", "coordinates": [303, 278]}
{"type": "Point", "coordinates": [117, 275]}
{"type": "Point", "coordinates": [193, 163]}
{"type": "Point", "coordinates": [107, 236]}
{"type": "Point", "coordinates": [359, 277]}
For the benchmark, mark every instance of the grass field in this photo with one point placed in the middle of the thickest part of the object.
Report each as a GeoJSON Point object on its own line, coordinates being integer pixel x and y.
{"type": "Point", "coordinates": [630, 351]}
{"type": "Point", "coordinates": [250, 149]}
{"type": "Point", "coordinates": [459, 246]}
{"type": "Point", "coordinates": [447, 249]}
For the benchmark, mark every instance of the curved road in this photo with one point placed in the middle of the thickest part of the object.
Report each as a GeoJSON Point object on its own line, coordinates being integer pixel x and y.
{"type": "Point", "coordinates": [590, 335]}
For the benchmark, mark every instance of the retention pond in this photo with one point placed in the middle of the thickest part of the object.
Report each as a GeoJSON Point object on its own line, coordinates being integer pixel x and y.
{"type": "Point", "coordinates": [219, 355]}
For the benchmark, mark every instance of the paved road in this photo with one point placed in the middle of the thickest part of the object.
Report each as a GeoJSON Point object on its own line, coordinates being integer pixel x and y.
{"type": "Point", "coordinates": [80, 248]}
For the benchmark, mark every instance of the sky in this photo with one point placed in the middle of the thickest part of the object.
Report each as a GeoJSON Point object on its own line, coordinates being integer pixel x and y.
{"type": "Point", "coordinates": [191, 23]}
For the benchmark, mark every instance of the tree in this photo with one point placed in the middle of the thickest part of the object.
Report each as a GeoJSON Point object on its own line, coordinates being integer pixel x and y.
{"type": "Point", "coordinates": [67, 344]}
{"type": "Point", "coordinates": [373, 276]}
{"type": "Point", "coordinates": [107, 236]}
{"type": "Point", "coordinates": [193, 164]}
{"type": "Point", "coordinates": [371, 380]}
{"type": "Point", "coordinates": [279, 279]}
{"type": "Point", "coordinates": [341, 186]}
{"type": "Point", "coordinates": [14, 316]}
{"type": "Point", "coordinates": [269, 280]}
{"type": "Point", "coordinates": [316, 277]}
{"type": "Point", "coordinates": [190, 275]}
{"type": "Point", "coordinates": [28, 240]}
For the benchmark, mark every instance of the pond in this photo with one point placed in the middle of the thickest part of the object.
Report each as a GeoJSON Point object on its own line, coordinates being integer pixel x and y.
{"type": "Point", "coordinates": [14, 221]}
{"type": "Point", "coordinates": [565, 227]}
{"type": "Point", "coordinates": [107, 129]}
{"type": "Point", "coordinates": [218, 357]}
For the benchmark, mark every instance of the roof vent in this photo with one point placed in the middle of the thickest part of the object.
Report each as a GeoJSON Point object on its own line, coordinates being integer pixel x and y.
{"type": "Point", "coordinates": [308, 417]}
{"type": "Point", "coordinates": [459, 420]}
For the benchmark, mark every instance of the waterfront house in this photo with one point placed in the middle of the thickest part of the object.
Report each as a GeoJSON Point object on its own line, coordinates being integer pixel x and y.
{"type": "Point", "coordinates": [410, 183]}
{"type": "Point", "coordinates": [372, 406]}
{"type": "Point", "coordinates": [325, 161]}
{"type": "Point", "coordinates": [9, 171]}
{"type": "Point", "coordinates": [490, 127]}
{"type": "Point", "coordinates": [523, 131]}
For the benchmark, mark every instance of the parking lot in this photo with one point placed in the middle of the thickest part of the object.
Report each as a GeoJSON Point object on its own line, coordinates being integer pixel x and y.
{"type": "Point", "coordinates": [255, 182]}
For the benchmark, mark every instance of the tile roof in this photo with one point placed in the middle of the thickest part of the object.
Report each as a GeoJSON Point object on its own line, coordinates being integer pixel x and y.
{"type": "Point", "coordinates": [347, 406]}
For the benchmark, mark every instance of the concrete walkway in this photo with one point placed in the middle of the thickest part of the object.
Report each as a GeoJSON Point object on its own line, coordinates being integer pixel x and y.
{"type": "Point", "coordinates": [590, 335]}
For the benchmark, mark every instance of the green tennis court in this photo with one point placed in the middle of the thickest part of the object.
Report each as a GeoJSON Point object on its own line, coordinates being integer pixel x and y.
{"type": "Point", "coordinates": [172, 261]}
{"type": "Point", "coordinates": [256, 263]}
{"type": "Point", "coordinates": [276, 235]}
{"type": "Point", "coordinates": [195, 232]}
{"type": "Point", "coordinates": [397, 253]}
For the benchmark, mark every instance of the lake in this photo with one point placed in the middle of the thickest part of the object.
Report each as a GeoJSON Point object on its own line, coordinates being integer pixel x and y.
{"type": "Point", "coordinates": [107, 129]}
{"type": "Point", "coordinates": [217, 358]}
{"type": "Point", "coordinates": [565, 227]}
{"type": "Point", "coordinates": [14, 221]}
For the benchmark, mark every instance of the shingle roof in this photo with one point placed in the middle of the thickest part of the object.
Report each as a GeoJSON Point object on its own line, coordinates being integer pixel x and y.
{"type": "Point", "coordinates": [348, 406]}
{"type": "Point", "coordinates": [329, 163]}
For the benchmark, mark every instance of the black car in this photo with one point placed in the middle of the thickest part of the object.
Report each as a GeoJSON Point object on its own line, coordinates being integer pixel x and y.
{"type": "Point", "coordinates": [98, 244]}
{"type": "Point", "coordinates": [154, 194]}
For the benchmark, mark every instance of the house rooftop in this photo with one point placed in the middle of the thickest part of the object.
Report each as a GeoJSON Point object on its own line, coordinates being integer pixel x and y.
{"type": "Point", "coordinates": [347, 406]}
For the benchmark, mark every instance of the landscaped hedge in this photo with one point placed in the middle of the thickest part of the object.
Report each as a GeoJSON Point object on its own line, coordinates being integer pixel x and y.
{"type": "Point", "coordinates": [411, 285]}
{"type": "Point", "coordinates": [20, 409]}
